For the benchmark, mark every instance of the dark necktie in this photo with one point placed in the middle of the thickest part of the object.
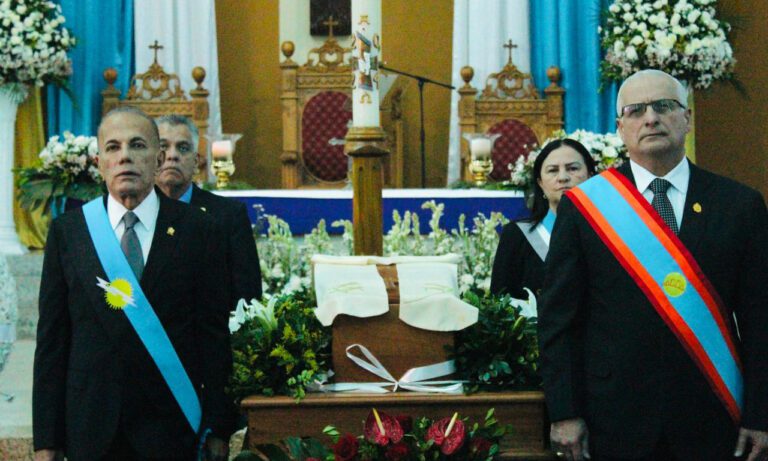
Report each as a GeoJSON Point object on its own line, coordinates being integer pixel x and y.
{"type": "Point", "coordinates": [662, 204]}
{"type": "Point", "coordinates": [131, 246]}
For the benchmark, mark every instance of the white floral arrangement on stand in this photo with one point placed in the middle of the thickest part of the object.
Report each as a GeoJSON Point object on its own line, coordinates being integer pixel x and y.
{"type": "Point", "coordinates": [608, 150]}
{"type": "Point", "coordinates": [67, 168]}
{"type": "Point", "coordinates": [33, 46]}
{"type": "Point", "coordinates": [680, 37]}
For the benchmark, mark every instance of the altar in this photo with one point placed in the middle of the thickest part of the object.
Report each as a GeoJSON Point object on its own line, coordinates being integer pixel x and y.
{"type": "Point", "coordinates": [302, 209]}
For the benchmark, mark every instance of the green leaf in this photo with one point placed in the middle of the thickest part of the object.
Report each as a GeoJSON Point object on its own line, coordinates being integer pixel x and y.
{"type": "Point", "coordinates": [273, 452]}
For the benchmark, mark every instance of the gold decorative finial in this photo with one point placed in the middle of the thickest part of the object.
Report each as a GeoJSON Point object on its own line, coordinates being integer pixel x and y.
{"type": "Point", "coordinates": [156, 46]}
{"type": "Point", "coordinates": [330, 23]}
{"type": "Point", "coordinates": [509, 45]}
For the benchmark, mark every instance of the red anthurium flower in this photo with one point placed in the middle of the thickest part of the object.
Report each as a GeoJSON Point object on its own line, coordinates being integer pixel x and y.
{"type": "Point", "coordinates": [480, 446]}
{"type": "Point", "coordinates": [397, 452]}
{"type": "Point", "coordinates": [346, 448]}
{"type": "Point", "coordinates": [392, 432]}
{"type": "Point", "coordinates": [450, 442]}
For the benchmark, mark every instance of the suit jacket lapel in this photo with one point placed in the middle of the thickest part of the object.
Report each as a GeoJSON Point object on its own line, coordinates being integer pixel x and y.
{"type": "Point", "coordinates": [163, 244]}
{"type": "Point", "coordinates": [695, 212]}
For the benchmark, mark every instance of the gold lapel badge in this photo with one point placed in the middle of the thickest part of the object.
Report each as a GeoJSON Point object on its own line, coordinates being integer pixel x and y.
{"type": "Point", "coordinates": [697, 207]}
{"type": "Point", "coordinates": [170, 231]}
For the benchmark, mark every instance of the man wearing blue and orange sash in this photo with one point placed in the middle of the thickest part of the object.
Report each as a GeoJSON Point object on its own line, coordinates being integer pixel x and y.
{"type": "Point", "coordinates": [653, 322]}
{"type": "Point", "coordinates": [132, 343]}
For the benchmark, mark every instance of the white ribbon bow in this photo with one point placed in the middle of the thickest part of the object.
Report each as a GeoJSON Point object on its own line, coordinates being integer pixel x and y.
{"type": "Point", "coordinates": [415, 379]}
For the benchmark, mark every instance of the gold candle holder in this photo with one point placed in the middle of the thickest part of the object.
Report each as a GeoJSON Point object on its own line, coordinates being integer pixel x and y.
{"type": "Point", "coordinates": [222, 153]}
{"type": "Point", "coordinates": [481, 163]}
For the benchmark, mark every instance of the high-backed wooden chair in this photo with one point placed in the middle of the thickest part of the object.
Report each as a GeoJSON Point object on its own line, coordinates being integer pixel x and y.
{"type": "Point", "coordinates": [317, 110]}
{"type": "Point", "coordinates": [158, 93]}
{"type": "Point", "coordinates": [512, 108]}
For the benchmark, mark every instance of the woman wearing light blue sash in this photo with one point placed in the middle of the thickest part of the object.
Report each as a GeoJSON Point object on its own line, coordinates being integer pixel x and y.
{"type": "Point", "coordinates": [523, 245]}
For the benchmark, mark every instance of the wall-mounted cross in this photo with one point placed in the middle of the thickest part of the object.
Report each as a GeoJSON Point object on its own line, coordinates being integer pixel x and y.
{"type": "Point", "coordinates": [510, 45]}
{"type": "Point", "coordinates": [330, 23]}
{"type": "Point", "coordinates": [156, 46]}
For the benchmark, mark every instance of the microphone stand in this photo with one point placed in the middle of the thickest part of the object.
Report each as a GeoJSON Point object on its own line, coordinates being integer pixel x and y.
{"type": "Point", "coordinates": [421, 81]}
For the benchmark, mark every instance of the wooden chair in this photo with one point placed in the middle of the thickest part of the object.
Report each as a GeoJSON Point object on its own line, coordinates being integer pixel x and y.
{"type": "Point", "coordinates": [158, 93]}
{"type": "Point", "coordinates": [317, 109]}
{"type": "Point", "coordinates": [511, 108]}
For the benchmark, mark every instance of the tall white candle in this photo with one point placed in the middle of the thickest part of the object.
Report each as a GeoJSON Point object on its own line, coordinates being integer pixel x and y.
{"type": "Point", "coordinates": [366, 26]}
{"type": "Point", "coordinates": [480, 148]}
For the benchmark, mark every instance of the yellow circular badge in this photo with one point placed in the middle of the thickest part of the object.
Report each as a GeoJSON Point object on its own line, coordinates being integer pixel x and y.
{"type": "Point", "coordinates": [118, 293]}
{"type": "Point", "coordinates": [674, 284]}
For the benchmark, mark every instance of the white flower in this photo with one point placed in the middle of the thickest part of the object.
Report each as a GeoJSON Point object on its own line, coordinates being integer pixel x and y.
{"type": "Point", "coordinates": [614, 8]}
{"type": "Point", "coordinates": [631, 53]}
{"type": "Point", "coordinates": [610, 152]}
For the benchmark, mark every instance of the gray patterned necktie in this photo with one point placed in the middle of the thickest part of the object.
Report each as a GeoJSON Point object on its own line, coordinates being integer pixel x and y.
{"type": "Point", "coordinates": [662, 204]}
{"type": "Point", "coordinates": [131, 246]}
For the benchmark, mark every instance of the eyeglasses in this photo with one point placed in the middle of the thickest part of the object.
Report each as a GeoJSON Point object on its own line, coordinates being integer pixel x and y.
{"type": "Point", "coordinates": [660, 106]}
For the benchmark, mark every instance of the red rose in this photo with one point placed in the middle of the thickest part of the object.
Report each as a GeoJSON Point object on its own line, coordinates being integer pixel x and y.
{"type": "Point", "coordinates": [392, 430]}
{"type": "Point", "coordinates": [453, 441]}
{"type": "Point", "coordinates": [397, 452]}
{"type": "Point", "coordinates": [406, 422]}
{"type": "Point", "coordinates": [346, 448]}
{"type": "Point", "coordinates": [480, 446]}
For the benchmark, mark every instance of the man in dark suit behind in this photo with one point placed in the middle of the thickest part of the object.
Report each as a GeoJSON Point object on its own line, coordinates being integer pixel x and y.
{"type": "Point", "coordinates": [179, 140]}
{"type": "Point", "coordinates": [619, 383]}
{"type": "Point", "coordinates": [98, 394]}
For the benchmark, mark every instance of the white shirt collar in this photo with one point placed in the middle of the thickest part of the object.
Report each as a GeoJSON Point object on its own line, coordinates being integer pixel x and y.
{"type": "Point", "coordinates": [146, 211]}
{"type": "Point", "coordinates": [677, 176]}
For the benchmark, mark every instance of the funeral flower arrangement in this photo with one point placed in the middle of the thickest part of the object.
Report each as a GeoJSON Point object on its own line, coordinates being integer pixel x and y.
{"type": "Point", "coordinates": [33, 44]}
{"type": "Point", "coordinates": [681, 37]}
{"type": "Point", "coordinates": [397, 438]}
{"type": "Point", "coordinates": [281, 348]}
{"type": "Point", "coordinates": [66, 168]}
{"type": "Point", "coordinates": [608, 150]}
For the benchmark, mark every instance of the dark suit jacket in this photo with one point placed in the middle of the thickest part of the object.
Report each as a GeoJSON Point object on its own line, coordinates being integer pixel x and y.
{"type": "Point", "coordinates": [92, 374]}
{"type": "Point", "coordinates": [516, 265]}
{"type": "Point", "coordinates": [608, 357]}
{"type": "Point", "coordinates": [239, 245]}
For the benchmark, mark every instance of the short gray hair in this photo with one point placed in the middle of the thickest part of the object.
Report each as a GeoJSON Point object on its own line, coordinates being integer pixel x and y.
{"type": "Point", "coordinates": [177, 120]}
{"type": "Point", "coordinates": [682, 92]}
{"type": "Point", "coordinates": [130, 110]}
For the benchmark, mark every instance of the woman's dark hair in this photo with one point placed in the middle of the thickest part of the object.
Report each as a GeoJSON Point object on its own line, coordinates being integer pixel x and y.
{"type": "Point", "coordinates": [540, 205]}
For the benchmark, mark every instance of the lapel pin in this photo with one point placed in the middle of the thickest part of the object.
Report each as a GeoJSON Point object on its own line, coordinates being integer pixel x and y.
{"type": "Point", "coordinates": [171, 231]}
{"type": "Point", "coordinates": [697, 207]}
{"type": "Point", "coordinates": [203, 208]}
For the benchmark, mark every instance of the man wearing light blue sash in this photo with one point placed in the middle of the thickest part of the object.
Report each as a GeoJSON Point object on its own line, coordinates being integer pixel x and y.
{"type": "Point", "coordinates": [132, 346]}
{"type": "Point", "coordinates": [652, 323]}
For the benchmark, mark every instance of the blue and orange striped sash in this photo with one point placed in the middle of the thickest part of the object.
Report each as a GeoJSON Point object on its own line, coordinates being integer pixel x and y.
{"type": "Point", "coordinates": [668, 275]}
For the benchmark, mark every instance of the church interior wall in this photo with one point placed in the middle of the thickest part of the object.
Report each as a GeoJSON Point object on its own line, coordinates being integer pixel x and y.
{"type": "Point", "coordinates": [731, 134]}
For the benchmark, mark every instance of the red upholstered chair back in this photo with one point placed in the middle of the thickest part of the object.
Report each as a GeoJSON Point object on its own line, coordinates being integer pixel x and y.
{"type": "Point", "coordinates": [324, 120]}
{"type": "Point", "coordinates": [316, 110]}
{"type": "Point", "coordinates": [516, 139]}
{"type": "Point", "coordinates": [511, 105]}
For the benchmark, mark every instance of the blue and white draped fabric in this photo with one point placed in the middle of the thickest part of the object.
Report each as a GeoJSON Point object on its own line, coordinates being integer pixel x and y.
{"type": "Point", "coordinates": [138, 310]}
{"type": "Point", "coordinates": [104, 32]}
{"type": "Point", "coordinates": [564, 34]}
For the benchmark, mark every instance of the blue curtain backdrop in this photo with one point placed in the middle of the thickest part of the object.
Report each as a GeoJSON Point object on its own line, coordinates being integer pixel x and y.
{"type": "Point", "coordinates": [104, 32]}
{"type": "Point", "coordinates": [564, 34]}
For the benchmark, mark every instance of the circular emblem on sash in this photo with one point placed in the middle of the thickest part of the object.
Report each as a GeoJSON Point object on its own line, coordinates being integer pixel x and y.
{"type": "Point", "coordinates": [118, 293]}
{"type": "Point", "coordinates": [674, 284]}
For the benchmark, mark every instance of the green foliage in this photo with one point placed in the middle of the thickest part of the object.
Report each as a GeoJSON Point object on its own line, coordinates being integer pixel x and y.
{"type": "Point", "coordinates": [280, 356]}
{"type": "Point", "coordinates": [500, 351]}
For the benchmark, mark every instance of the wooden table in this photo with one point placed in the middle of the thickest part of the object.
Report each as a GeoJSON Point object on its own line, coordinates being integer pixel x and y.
{"type": "Point", "coordinates": [273, 418]}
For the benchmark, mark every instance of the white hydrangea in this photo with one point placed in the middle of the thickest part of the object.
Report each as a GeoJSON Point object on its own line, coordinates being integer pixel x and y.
{"type": "Point", "coordinates": [33, 47]}
{"type": "Point", "coordinates": [682, 37]}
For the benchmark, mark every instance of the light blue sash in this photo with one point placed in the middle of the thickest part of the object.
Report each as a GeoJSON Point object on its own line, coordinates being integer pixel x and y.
{"type": "Point", "coordinates": [140, 312]}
